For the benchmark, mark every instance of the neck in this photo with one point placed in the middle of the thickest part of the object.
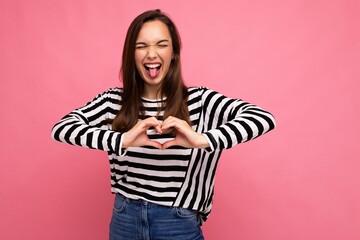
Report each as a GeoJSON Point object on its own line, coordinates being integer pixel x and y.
{"type": "Point", "coordinates": [152, 92]}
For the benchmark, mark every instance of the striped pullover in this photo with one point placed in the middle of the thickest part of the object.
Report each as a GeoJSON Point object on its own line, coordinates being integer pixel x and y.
{"type": "Point", "coordinates": [177, 176]}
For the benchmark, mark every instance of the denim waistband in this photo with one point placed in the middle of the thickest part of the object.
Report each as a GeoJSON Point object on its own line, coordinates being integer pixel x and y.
{"type": "Point", "coordinates": [139, 201]}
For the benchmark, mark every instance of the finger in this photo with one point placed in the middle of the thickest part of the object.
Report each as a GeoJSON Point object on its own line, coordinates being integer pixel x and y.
{"type": "Point", "coordinates": [170, 123]}
{"type": "Point", "coordinates": [179, 125]}
{"type": "Point", "coordinates": [169, 120]}
{"type": "Point", "coordinates": [157, 126]}
{"type": "Point", "coordinates": [152, 122]}
{"type": "Point", "coordinates": [158, 129]}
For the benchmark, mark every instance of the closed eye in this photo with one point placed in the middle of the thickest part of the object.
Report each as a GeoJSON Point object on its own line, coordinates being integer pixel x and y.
{"type": "Point", "coordinates": [162, 45]}
{"type": "Point", "coordinates": [141, 47]}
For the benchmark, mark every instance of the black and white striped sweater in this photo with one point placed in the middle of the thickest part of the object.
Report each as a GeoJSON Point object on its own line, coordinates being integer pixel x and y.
{"type": "Point", "coordinates": [176, 176]}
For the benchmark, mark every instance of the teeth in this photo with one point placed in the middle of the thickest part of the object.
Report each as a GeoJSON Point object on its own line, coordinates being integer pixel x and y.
{"type": "Point", "coordinates": [150, 65]}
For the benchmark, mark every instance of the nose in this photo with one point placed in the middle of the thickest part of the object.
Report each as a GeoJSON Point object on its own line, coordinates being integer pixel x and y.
{"type": "Point", "coordinates": [152, 51]}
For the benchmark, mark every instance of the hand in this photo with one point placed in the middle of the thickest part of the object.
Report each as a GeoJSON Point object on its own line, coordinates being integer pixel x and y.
{"type": "Point", "coordinates": [185, 135]}
{"type": "Point", "coordinates": [137, 136]}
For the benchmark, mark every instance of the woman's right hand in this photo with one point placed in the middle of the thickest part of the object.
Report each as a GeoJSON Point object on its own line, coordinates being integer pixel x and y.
{"type": "Point", "coordinates": [137, 135]}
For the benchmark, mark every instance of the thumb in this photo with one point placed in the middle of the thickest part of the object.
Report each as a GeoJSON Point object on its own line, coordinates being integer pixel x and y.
{"type": "Point", "coordinates": [169, 144]}
{"type": "Point", "coordinates": [153, 144]}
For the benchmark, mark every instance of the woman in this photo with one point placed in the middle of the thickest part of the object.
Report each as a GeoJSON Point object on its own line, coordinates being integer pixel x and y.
{"type": "Point", "coordinates": [163, 139]}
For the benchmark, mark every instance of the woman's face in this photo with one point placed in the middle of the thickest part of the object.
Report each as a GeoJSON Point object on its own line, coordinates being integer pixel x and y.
{"type": "Point", "coordinates": [153, 54]}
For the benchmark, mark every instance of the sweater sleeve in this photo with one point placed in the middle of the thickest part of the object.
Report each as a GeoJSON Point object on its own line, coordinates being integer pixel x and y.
{"type": "Point", "coordinates": [231, 121]}
{"type": "Point", "coordinates": [88, 126]}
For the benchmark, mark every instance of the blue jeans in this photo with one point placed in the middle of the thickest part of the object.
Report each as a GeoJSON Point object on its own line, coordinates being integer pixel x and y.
{"type": "Point", "coordinates": [142, 220]}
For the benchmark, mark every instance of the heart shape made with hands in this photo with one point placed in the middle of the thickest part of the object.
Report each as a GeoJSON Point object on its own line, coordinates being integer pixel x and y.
{"type": "Point", "coordinates": [184, 135]}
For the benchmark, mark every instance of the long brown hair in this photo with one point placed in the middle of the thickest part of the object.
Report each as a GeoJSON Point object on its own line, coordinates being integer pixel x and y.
{"type": "Point", "coordinates": [173, 87]}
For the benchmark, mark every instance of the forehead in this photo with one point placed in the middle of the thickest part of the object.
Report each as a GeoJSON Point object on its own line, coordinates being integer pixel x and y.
{"type": "Point", "coordinates": [153, 31]}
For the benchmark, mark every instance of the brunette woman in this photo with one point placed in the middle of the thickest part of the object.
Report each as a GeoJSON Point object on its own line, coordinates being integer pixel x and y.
{"type": "Point", "coordinates": [163, 139]}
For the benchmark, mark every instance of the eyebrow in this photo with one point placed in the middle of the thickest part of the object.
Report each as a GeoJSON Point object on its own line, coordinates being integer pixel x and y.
{"type": "Point", "coordinates": [144, 43]}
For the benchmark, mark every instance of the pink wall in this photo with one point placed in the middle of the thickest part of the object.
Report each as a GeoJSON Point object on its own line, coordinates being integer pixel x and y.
{"type": "Point", "coordinates": [298, 59]}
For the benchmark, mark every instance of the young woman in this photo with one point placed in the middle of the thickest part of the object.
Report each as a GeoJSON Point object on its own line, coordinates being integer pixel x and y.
{"type": "Point", "coordinates": [163, 139]}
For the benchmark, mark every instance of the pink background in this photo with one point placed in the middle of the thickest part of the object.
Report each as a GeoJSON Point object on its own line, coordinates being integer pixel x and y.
{"type": "Point", "coordinates": [297, 59]}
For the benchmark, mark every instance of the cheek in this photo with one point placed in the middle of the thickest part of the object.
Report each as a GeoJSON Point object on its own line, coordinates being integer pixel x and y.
{"type": "Point", "coordinates": [138, 60]}
{"type": "Point", "coordinates": [167, 56]}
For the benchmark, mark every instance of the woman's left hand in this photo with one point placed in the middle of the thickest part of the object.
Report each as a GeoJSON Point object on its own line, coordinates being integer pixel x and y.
{"type": "Point", "coordinates": [185, 135]}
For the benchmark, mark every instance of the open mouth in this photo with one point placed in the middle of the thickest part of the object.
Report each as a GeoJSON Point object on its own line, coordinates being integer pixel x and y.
{"type": "Point", "coordinates": [152, 69]}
